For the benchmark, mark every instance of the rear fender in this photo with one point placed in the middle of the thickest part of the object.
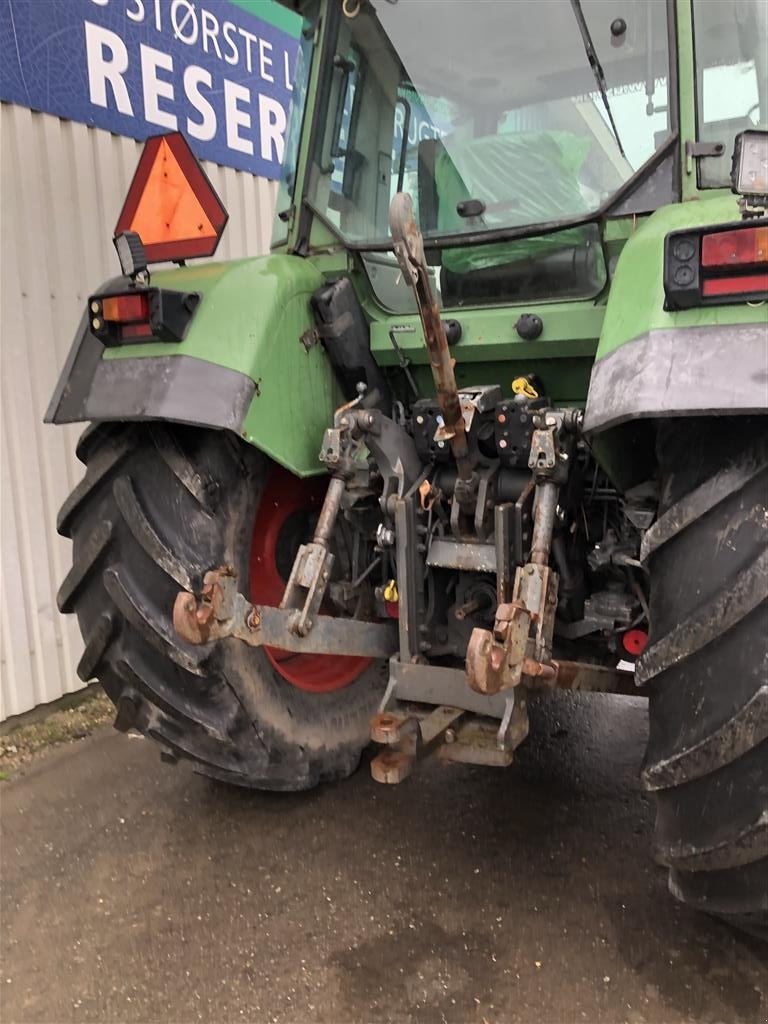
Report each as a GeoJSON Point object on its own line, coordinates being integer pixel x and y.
{"type": "Point", "coordinates": [653, 363]}
{"type": "Point", "coordinates": [242, 365]}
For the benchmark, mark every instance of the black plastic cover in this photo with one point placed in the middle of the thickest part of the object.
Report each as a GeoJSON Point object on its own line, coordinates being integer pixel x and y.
{"type": "Point", "coordinates": [345, 336]}
{"type": "Point", "coordinates": [682, 284]}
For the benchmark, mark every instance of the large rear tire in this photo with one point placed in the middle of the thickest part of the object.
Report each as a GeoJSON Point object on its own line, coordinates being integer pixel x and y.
{"type": "Point", "coordinates": [707, 667]}
{"type": "Point", "coordinates": [159, 505]}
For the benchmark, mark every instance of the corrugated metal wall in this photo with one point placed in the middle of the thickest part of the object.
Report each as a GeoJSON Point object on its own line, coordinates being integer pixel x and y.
{"type": "Point", "coordinates": [61, 188]}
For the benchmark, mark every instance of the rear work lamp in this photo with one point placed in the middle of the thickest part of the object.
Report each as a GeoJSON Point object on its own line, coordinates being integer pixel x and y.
{"type": "Point", "coordinates": [749, 170]}
{"type": "Point", "coordinates": [130, 252]}
{"type": "Point", "coordinates": [706, 266]}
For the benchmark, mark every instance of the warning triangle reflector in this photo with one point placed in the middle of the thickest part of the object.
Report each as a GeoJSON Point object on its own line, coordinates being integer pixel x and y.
{"type": "Point", "coordinates": [171, 204]}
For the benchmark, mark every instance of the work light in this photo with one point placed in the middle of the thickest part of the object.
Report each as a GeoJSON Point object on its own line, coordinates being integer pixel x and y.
{"type": "Point", "coordinates": [749, 170]}
{"type": "Point", "coordinates": [130, 252]}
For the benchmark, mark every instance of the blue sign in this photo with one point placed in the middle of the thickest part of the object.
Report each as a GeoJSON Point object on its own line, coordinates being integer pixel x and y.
{"type": "Point", "coordinates": [209, 69]}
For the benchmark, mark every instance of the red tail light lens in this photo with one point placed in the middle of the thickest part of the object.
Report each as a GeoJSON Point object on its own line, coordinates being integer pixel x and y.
{"type": "Point", "coordinates": [741, 248]}
{"type": "Point", "coordinates": [126, 309]}
{"type": "Point", "coordinates": [134, 332]}
{"type": "Point", "coordinates": [747, 284]}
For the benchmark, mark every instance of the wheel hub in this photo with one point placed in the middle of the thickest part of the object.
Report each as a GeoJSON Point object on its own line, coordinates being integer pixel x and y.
{"type": "Point", "coordinates": [286, 516]}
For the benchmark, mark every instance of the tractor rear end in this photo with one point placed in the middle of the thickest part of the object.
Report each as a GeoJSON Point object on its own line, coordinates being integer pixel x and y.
{"type": "Point", "coordinates": [489, 420]}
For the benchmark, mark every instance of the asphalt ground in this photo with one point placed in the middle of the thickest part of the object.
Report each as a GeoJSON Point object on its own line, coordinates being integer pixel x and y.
{"type": "Point", "coordinates": [133, 891]}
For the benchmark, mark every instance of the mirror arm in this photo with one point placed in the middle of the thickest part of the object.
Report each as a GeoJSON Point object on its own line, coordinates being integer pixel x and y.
{"type": "Point", "coordinates": [404, 146]}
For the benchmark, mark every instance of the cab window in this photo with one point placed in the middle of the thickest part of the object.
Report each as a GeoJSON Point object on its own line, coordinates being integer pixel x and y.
{"type": "Point", "coordinates": [731, 78]}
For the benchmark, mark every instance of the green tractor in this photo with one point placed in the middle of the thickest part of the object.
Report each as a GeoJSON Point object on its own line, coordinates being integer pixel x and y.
{"type": "Point", "coordinates": [490, 418]}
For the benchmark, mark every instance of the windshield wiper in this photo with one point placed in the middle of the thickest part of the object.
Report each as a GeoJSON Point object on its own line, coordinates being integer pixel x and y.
{"type": "Point", "coordinates": [597, 68]}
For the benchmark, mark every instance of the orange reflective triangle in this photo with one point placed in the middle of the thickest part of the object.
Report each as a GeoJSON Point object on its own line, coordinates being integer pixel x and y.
{"type": "Point", "coordinates": [171, 204]}
{"type": "Point", "coordinates": [169, 210]}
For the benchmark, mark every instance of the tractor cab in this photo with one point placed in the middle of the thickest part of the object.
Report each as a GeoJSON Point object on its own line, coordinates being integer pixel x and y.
{"type": "Point", "coordinates": [496, 122]}
{"type": "Point", "coordinates": [518, 130]}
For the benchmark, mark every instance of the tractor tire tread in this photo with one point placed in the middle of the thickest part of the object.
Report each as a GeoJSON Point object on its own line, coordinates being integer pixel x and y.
{"type": "Point", "coordinates": [145, 534]}
{"type": "Point", "coordinates": [104, 460]}
{"type": "Point", "coordinates": [160, 504]}
{"type": "Point", "coordinates": [96, 647]}
{"type": "Point", "coordinates": [77, 576]}
{"type": "Point", "coordinates": [705, 667]}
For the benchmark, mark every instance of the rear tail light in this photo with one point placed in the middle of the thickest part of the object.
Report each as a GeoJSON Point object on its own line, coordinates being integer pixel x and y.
{"type": "Point", "coordinates": [743, 247]}
{"type": "Point", "coordinates": [126, 309]}
{"type": "Point", "coordinates": [142, 314]}
{"type": "Point", "coordinates": [708, 267]}
{"type": "Point", "coordinates": [117, 319]}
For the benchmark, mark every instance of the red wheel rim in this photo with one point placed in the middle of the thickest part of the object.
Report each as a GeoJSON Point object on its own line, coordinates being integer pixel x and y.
{"type": "Point", "coordinates": [285, 498]}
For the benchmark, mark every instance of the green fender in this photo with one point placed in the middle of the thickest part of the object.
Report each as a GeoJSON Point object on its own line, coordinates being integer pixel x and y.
{"type": "Point", "coordinates": [652, 363]}
{"type": "Point", "coordinates": [242, 365]}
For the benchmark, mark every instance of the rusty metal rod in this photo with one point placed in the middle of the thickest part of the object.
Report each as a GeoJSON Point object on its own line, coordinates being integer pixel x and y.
{"type": "Point", "coordinates": [547, 673]}
{"type": "Point", "coordinates": [468, 608]}
{"type": "Point", "coordinates": [577, 675]}
{"type": "Point", "coordinates": [442, 373]}
{"type": "Point", "coordinates": [409, 250]}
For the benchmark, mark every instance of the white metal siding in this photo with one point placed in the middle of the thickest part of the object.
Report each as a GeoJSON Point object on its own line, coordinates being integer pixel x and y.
{"type": "Point", "coordinates": [61, 188]}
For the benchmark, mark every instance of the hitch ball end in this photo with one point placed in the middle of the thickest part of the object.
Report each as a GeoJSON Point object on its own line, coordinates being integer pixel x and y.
{"type": "Point", "coordinates": [484, 662]}
{"type": "Point", "coordinates": [191, 620]}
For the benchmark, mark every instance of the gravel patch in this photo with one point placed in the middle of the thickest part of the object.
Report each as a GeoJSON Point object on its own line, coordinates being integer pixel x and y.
{"type": "Point", "coordinates": [26, 742]}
